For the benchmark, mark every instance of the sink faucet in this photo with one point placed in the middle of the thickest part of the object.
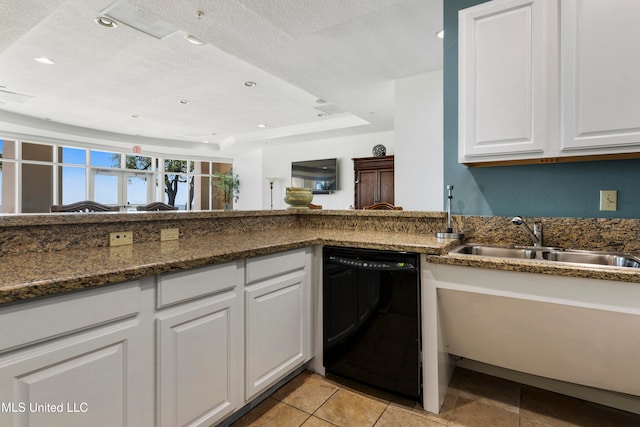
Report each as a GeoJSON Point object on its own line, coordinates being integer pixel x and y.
{"type": "Point", "coordinates": [536, 234]}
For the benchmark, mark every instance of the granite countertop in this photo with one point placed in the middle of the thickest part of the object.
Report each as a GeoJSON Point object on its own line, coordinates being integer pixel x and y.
{"type": "Point", "coordinates": [620, 274]}
{"type": "Point", "coordinates": [40, 273]}
{"type": "Point", "coordinates": [49, 273]}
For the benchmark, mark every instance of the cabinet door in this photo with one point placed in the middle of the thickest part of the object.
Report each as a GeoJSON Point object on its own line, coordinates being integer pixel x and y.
{"type": "Point", "coordinates": [199, 368]}
{"type": "Point", "coordinates": [385, 186]}
{"type": "Point", "coordinates": [600, 76]}
{"type": "Point", "coordinates": [81, 380]}
{"type": "Point", "coordinates": [504, 79]}
{"type": "Point", "coordinates": [277, 322]}
{"type": "Point", "coordinates": [367, 185]}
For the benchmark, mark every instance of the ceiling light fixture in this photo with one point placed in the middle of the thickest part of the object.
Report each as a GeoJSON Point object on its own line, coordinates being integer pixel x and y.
{"type": "Point", "coordinates": [322, 114]}
{"type": "Point", "coordinates": [262, 125]}
{"type": "Point", "coordinates": [43, 60]}
{"type": "Point", "coordinates": [250, 84]}
{"type": "Point", "coordinates": [106, 22]}
{"type": "Point", "coordinates": [320, 101]}
{"type": "Point", "coordinates": [194, 40]}
{"type": "Point", "coordinates": [440, 34]}
{"type": "Point", "coordinates": [184, 101]}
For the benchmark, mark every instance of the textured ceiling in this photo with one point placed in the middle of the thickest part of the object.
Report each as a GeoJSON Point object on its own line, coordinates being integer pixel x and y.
{"type": "Point", "coordinates": [124, 85]}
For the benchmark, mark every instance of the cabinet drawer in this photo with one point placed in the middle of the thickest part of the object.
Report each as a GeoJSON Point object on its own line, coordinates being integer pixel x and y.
{"type": "Point", "coordinates": [185, 285]}
{"type": "Point", "coordinates": [263, 267]}
{"type": "Point", "coordinates": [31, 322]}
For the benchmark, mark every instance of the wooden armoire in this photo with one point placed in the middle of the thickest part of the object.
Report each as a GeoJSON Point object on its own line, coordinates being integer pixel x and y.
{"type": "Point", "coordinates": [373, 180]}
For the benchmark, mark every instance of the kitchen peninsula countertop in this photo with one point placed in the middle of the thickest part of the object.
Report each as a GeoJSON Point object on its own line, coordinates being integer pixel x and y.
{"type": "Point", "coordinates": [26, 276]}
{"type": "Point", "coordinates": [53, 254]}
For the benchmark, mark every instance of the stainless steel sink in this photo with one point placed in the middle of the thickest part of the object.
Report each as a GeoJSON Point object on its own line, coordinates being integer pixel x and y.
{"type": "Point", "coordinates": [593, 258]}
{"type": "Point", "coordinates": [573, 256]}
{"type": "Point", "coordinates": [495, 251]}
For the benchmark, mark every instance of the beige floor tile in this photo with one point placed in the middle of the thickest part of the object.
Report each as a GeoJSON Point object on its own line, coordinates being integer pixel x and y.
{"type": "Point", "coordinates": [272, 413]}
{"type": "Point", "coordinates": [490, 390]}
{"type": "Point", "coordinates": [362, 389]}
{"type": "Point", "coordinates": [473, 413]}
{"type": "Point", "coordinates": [314, 421]}
{"type": "Point", "coordinates": [564, 411]}
{"type": "Point", "coordinates": [307, 392]}
{"type": "Point", "coordinates": [395, 416]}
{"type": "Point", "coordinates": [349, 409]}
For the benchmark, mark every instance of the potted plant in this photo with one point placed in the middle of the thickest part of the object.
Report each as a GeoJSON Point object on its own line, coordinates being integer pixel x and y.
{"type": "Point", "coordinates": [227, 184]}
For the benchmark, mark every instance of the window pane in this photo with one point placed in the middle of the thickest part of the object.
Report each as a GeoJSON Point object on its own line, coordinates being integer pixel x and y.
{"type": "Point", "coordinates": [7, 187]}
{"type": "Point", "coordinates": [175, 165]}
{"type": "Point", "coordinates": [37, 188]}
{"type": "Point", "coordinates": [202, 193]}
{"type": "Point", "coordinates": [72, 156]}
{"type": "Point", "coordinates": [137, 189]}
{"type": "Point", "coordinates": [175, 190]}
{"type": "Point", "coordinates": [202, 168]}
{"type": "Point", "coordinates": [73, 187]}
{"type": "Point", "coordinates": [39, 152]}
{"type": "Point", "coordinates": [106, 189]}
{"type": "Point", "coordinates": [138, 162]}
{"type": "Point", "coordinates": [103, 159]}
{"type": "Point", "coordinates": [7, 149]}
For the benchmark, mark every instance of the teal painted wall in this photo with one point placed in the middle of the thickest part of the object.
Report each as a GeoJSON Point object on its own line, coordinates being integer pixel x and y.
{"type": "Point", "coordinates": [560, 190]}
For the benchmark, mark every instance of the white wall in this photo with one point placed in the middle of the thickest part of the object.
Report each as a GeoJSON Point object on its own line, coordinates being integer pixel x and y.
{"type": "Point", "coordinates": [416, 143]}
{"type": "Point", "coordinates": [276, 162]}
{"type": "Point", "coordinates": [419, 171]}
{"type": "Point", "coordinates": [249, 170]}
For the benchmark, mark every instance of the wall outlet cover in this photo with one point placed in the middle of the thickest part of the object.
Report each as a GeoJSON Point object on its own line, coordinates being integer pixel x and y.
{"type": "Point", "coordinates": [608, 200]}
{"type": "Point", "coordinates": [169, 234]}
{"type": "Point", "coordinates": [120, 238]}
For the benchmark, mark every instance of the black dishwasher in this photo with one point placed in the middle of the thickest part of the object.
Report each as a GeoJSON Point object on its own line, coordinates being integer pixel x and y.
{"type": "Point", "coordinates": [371, 318]}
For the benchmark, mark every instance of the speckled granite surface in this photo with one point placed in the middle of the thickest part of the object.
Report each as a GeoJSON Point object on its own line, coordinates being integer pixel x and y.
{"type": "Point", "coordinates": [53, 266]}
{"type": "Point", "coordinates": [50, 254]}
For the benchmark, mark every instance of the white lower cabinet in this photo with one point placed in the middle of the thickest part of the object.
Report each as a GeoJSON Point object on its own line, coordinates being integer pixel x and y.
{"type": "Point", "coordinates": [199, 361]}
{"type": "Point", "coordinates": [278, 318]}
{"type": "Point", "coordinates": [94, 372]}
{"type": "Point", "coordinates": [162, 351]}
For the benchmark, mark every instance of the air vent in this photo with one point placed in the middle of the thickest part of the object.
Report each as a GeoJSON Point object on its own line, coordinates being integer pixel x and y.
{"type": "Point", "coordinates": [140, 20]}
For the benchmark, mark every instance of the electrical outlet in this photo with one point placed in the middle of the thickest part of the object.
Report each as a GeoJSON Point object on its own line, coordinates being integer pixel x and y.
{"type": "Point", "coordinates": [608, 200]}
{"type": "Point", "coordinates": [120, 238]}
{"type": "Point", "coordinates": [169, 234]}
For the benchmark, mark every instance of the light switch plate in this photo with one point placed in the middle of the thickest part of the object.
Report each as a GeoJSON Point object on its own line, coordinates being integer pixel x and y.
{"type": "Point", "coordinates": [608, 200]}
{"type": "Point", "coordinates": [120, 238]}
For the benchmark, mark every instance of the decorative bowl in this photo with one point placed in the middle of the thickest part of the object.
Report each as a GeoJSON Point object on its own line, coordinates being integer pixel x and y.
{"type": "Point", "coordinates": [298, 198]}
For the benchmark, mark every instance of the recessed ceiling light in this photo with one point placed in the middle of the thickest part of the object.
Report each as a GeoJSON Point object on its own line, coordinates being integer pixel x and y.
{"type": "Point", "coordinates": [262, 125]}
{"type": "Point", "coordinates": [106, 22]}
{"type": "Point", "coordinates": [135, 116]}
{"type": "Point", "coordinates": [194, 40]}
{"type": "Point", "coordinates": [184, 101]}
{"type": "Point", "coordinates": [440, 34]}
{"type": "Point", "coordinates": [322, 114]}
{"type": "Point", "coordinates": [43, 60]}
{"type": "Point", "coordinates": [250, 84]}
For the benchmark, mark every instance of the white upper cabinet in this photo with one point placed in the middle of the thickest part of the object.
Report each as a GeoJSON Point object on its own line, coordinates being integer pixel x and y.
{"type": "Point", "coordinates": [504, 60]}
{"type": "Point", "coordinates": [600, 76]}
{"type": "Point", "coordinates": [546, 80]}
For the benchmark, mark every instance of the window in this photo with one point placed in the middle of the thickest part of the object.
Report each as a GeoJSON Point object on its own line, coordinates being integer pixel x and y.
{"type": "Point", "coordinates": [35, 175]}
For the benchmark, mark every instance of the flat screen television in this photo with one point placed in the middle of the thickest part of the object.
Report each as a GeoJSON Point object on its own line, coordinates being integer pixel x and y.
{"type": "Point", "coordinates": [321, 176]}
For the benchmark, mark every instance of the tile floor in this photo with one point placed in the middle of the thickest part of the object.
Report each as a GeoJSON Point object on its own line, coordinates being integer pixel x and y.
{"type": "Point", "coordinates": [473, 399]}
